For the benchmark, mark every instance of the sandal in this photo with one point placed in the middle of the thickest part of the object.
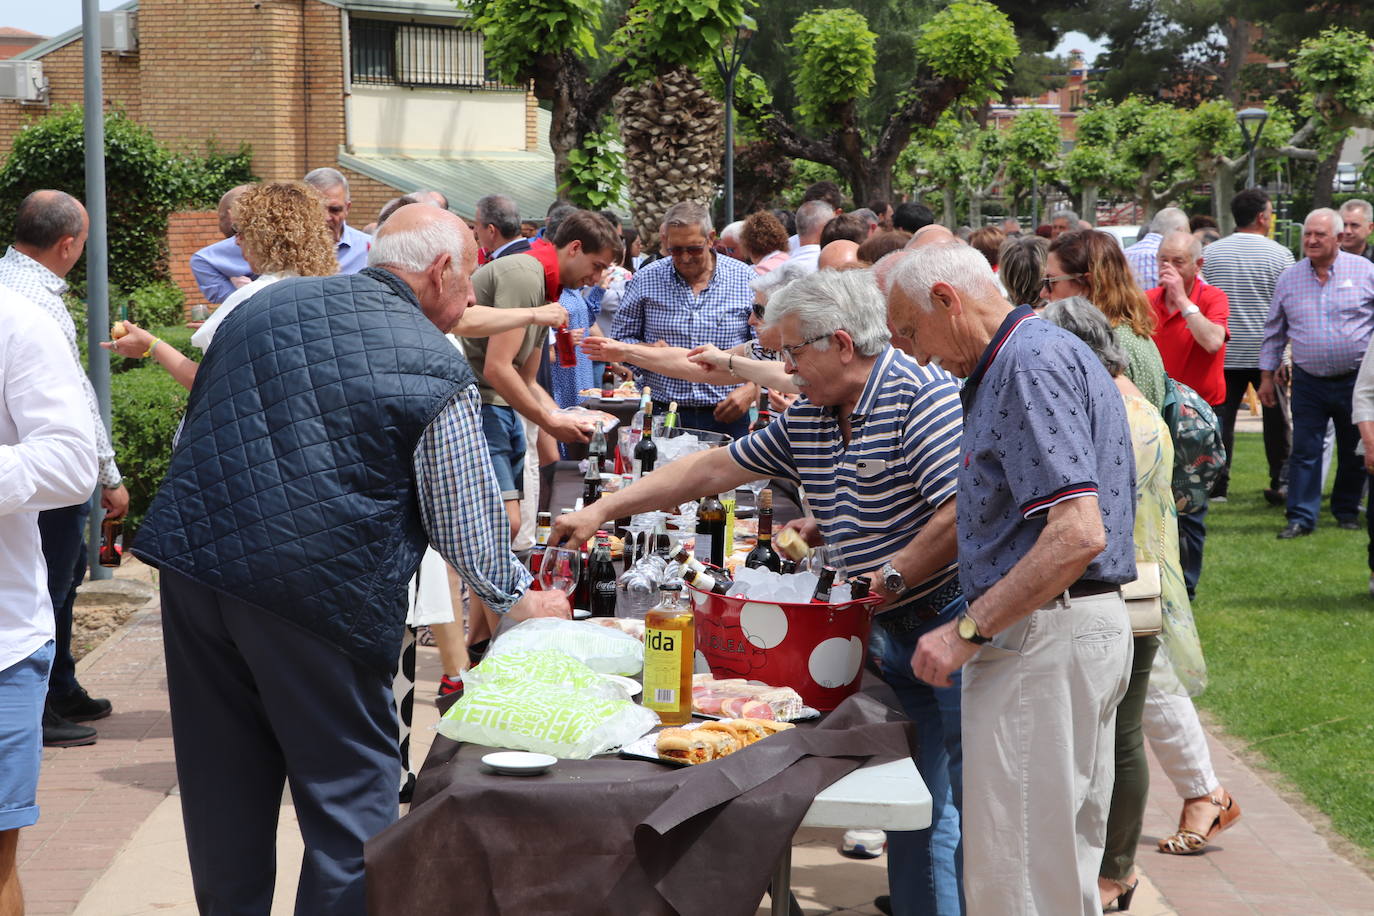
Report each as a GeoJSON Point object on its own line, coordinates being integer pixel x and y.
{"type": "Point", "coordinates": [1189, 842]}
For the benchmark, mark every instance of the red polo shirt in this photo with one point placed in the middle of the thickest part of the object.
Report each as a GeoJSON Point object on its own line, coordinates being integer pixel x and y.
{"type": "Point", "coordinates": [1184, 360]}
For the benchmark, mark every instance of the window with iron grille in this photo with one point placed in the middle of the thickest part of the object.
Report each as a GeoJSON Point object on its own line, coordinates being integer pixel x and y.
{"type": "Point", "coordinates": [388, 53]}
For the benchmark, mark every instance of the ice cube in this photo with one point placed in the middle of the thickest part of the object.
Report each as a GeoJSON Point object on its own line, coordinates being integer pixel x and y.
{"type": "Point", "coordinates": [840, 594]}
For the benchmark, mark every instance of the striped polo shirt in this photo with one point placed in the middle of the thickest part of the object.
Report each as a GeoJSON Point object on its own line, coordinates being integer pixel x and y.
{"type": "Point", "coordinates": [1245, 266]}
{"type": "Point", "coordinates": [872, 496]}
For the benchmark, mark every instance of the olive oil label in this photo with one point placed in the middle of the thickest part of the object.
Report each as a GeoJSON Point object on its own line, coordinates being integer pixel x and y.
{"type": "Point", "coordinates": [662, 669]}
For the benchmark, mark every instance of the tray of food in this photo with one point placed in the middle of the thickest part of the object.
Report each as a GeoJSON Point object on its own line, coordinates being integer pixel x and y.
{"type": "Point", "coordinates": [736, 697]}
{"type": "Point", "coordinates": [625, 391]}
{"type": "Point", "coordinates": [701, 742]}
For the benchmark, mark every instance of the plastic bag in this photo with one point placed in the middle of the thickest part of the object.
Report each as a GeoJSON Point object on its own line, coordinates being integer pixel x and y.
{"type": "Point", "coordinates": [599, 648]}
{"type": "Point", "coordinates": [546, 702]}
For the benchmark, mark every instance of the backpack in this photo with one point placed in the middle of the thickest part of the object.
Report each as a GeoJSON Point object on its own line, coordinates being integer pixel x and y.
{"type": "Point", "coordinates": [1199, 454]}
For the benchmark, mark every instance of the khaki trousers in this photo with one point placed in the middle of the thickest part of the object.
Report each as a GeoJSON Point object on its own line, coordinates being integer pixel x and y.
{"type": "Point", "coordinates": [1039, 719]}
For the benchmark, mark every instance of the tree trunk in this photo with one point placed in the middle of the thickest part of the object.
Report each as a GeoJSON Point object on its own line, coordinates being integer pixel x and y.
{"type": "Point", "coordinates": [1087, 204]}
{"type": "Point", "coordinates": [948, 198]}
{"type": "Point", "coordinates": [562, 134]}
{"type": "Point", "coordinates": [1326, 175]}
{"type": "Point", "coordinates": [1224, 191]}
{"type": "Point", "coordinates": [1237, 32]}
{"type": "Point", "coordinates": [975, 207]}
{"type": "Point", "coordinates": [672, 129]}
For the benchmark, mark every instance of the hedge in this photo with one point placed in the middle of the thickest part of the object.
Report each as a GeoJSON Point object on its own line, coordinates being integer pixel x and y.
{"type": "Point", "coordinates": [146, 406]}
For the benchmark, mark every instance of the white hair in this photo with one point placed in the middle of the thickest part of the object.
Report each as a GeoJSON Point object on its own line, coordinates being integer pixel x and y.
{"type": "Point", "coordinates": [1170, 219]}
{"type": "Point", "coordinates": [1194, 244]}
{"type": "Point", "coordinates": [768, 284]}
{"type": "Point", "coordinates": [733, 229]}
{"type": "Point", "coordinates": [414, 250]}
{"type": "Point", "coordinates": [1337, 222]}
{"type": "Point", "coordinates": [1363, 206]}
{"type": "Point", "coordinates": [830, 300]}
{"type": "Point", "coordinates": [1069, 215]}
{"type": "Point", "coordinates": [813, 215]}
{"type": "Point", "coordinates": [326, 179]}
{"type": "Point", "coordinates": [961, 266]}
{"type": "Point", "coordinates": [868, 216]}
{"type": "Point", "coordinates": [686, 214]}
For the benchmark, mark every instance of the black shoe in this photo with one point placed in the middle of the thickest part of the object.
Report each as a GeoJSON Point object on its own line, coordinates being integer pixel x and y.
{"type": "Point", "coordinates": [1348, 524]}
{"type": "Point", "coordinates": [80, 706]}
{"type": "Point", "coordinates": [1278, 497]}
{"type": "Point", "coordinates": [1294, 530]}
{"type": "Point", "coordinates": [883, 904]}
{"type": "Point", "coordinates": [408, 790]}
{"type": "Point", "coordinates": [58, 732]}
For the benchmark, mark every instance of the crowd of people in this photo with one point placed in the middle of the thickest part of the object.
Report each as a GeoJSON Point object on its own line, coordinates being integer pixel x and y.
{"type": "Point", "coordinates": [981, 422]}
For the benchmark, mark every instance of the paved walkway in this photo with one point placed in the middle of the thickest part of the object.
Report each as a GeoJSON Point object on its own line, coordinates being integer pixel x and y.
{"type": "Point", "coordinates": [109, 842]}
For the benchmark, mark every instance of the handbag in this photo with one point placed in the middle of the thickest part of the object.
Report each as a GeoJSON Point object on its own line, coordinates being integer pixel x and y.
{"type": "Point", "coordinates": [1144, 600]}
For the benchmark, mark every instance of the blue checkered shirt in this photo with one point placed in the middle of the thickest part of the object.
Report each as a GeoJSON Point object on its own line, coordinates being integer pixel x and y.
{"type": "Point", "coordinates": [1143, 257]}
{"type": "Point", "coordinates": [660, 305]}
{"type": "Point", "coordinates": [460, 503]}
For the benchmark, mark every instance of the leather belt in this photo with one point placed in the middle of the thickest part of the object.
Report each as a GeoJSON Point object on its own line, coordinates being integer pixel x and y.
{"type": "Point", "coordinates": [1086, 588]}
{"type": "Point", "coordinates": [913, 616]}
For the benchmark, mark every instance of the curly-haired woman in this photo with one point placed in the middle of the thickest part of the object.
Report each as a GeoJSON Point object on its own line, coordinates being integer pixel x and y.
{"type": "Point", "coordinates": [282, 234]}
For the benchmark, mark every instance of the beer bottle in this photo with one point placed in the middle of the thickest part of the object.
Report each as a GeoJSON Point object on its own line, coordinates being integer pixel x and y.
{"type": "Point", "coordinates": [542, 526]}
{"type": "Point", "coordinates": [764, 417]}
{"type": "Point", "coordinates": [669, 653]}
{"type": "Point", "coordinates": [670, 418]}
{"type": "Point", "coordinates": [859, 587]}
{"type": "Point", "coordinates": [646, 451]}
{"type": "Point", "coordinates": [110, 529]}
{"type": "Point", "coordinates": [607, 383]}
{"type": "Point", "coordinates": [601, 572]}
{"type": "Point", "coordinates": [706, 582]}
{"type": "Point", "coordinates": [763, 553]}
{"type": "Point", "coordinates": [711, 530]}
{"type": "Point", "coordinates": [823, 586]}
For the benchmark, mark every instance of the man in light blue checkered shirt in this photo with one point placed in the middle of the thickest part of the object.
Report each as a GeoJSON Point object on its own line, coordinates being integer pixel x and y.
{"type": "Point", "coordinates": [690, 298]}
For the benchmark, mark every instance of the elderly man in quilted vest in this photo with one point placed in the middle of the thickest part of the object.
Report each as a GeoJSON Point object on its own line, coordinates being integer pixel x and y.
{"type": "Point", "coordinates": [332, 431]}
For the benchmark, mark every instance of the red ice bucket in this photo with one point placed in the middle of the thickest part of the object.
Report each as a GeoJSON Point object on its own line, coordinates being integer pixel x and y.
{"type": "Point", "coordinates": [816, 649]}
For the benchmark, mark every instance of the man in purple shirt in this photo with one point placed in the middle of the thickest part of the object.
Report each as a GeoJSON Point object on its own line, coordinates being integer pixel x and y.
{"type": "Point", "coordinates": [1323, 306]}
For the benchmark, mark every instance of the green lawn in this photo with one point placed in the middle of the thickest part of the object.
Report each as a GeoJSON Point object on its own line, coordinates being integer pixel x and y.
{"type": "Point", "coordinates": [1288, 629]}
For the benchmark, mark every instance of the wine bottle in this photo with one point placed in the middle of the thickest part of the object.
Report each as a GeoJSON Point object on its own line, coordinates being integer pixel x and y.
{"type": "Point", "coordinates": [645, 405]}
{"type": "Point", "coordinates": [711, 530]}
{"type": "Point", "coordinates": [670, 418]}
{"type": "Point", "coordinates": [646, 450]}
{"type": "Point", "coordinates": [823, 586]}
{"type": "Point", "coordinates": [707, 582]}
{"type": "Point", "coordinates": [680, 554]}
{"type": "Point", "coordinates": [669, 655]}
{"type": "Point", "coordinates": [601, 572]}
{"type": "Point", "coordinates": [763, 553]}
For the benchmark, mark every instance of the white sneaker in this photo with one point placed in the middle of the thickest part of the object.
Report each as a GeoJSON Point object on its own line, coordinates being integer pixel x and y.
{"type": "Point", "coordinates": [863, 844]}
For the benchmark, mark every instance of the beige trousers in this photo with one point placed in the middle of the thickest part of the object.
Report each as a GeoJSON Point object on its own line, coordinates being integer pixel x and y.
{"type": "Point", "coordinates": [1039, 719]}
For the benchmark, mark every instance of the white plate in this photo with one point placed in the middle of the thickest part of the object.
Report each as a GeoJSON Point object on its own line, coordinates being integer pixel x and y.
{"type": "Point", "coordinates": [519, 763]}
{"type": "Point", "coordinates": [632, 686]}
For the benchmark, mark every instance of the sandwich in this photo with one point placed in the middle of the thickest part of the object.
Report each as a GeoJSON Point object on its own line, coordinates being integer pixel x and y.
{"type": "Point", "coordinates": [684, 745]}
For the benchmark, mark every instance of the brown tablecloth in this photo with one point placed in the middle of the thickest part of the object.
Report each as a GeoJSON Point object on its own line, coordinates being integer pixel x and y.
{"type": "Point", "coordinates": [611, 835]}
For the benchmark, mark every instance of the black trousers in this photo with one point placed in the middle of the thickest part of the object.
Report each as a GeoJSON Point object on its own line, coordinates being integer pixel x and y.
{"type": "Point", "coordinates": [257, 702]}
{"type": "Point", "coordinates": [63, 532]}
{"type": "Point", "coordinates": [1278, 435]}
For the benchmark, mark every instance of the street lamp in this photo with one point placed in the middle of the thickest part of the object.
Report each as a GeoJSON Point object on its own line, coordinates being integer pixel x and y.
{"type": "Point", "coordinates": [1251, 126]}
{"type": "Point", "coordinates": [728, 68]}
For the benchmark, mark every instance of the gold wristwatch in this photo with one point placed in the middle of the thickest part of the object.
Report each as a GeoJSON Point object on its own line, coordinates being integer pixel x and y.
{"type": "Point", "coordinates": [968, 629]}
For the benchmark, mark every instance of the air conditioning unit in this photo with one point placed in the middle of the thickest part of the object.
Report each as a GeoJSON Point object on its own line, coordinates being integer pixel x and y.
{"type": "Point", "coordinates": [23, 80]}
{"type": "Point", "coordinates": [119, 31]}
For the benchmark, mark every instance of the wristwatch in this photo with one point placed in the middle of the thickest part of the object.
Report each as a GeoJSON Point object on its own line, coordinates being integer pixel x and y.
{"type": "Point", "coordinates": [1190, 310]}
{"type": "Point", "coordinates": [893, 582]}
{"type": "Point", "coordinates": [968, 629]}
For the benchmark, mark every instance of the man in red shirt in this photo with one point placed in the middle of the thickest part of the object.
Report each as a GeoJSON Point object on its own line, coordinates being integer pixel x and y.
{"type": "Point", "coordinates": [1190, 319]}
{"type": "Point", "coordinates": [1190, 331]}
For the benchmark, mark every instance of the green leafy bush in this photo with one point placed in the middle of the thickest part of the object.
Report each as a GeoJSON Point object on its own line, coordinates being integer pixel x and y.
{"type": "Point", "coordinates": [596, 172]}
{"type": "Point", "coordinates": [157, 305]}
{"type": "Point", "coordinates": [144, 183]}
{"type": "Point", "coordinates": [146, 405]}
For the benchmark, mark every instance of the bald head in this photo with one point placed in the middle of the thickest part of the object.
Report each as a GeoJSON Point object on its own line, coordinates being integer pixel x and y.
{"type": "Point", "coordinates": [434, 252]}
{"type": "Point", "coordinates": [51, 227]}
{"type": "Point", "coordinates": [226, 205]}
{"type": "Point", "coordinates": [933, 234]}
{"type": "Point", "coordinates": [841, 254]}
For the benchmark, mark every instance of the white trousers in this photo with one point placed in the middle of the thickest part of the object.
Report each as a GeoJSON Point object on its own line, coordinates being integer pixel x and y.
{"type": "Point", "coordinates": [1171, 724]}
{"type": "Point", "coordinates": [1039, 723]}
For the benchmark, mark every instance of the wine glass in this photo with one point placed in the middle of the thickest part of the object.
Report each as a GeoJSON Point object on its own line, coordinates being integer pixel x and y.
{"type": "Point", "coordinates": [755, 487]}
{"type": "Point", "coordinates": [560, 569]}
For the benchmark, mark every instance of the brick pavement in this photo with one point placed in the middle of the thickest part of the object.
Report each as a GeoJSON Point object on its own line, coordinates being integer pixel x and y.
{"type": "Point", "coordinates": [94, 800]}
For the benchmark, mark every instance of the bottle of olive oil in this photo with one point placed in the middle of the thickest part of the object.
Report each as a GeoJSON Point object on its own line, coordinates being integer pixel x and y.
{"type": "Point", "coordinates": [669, 651]}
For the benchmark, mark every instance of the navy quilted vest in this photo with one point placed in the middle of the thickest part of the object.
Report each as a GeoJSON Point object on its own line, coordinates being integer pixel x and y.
{"type": "Point", "coordinates": [292, 485]}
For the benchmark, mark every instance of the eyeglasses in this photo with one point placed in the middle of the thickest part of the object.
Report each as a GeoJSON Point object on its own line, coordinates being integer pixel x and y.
{"type": "Point", "coordinates": [692, 250]}
{"type": "Point", "coordinates": [758, 309]}
{"type": "Point", "coordinates": [1049, 282]}
{"type": "Point", "coordinates": [790, 352]}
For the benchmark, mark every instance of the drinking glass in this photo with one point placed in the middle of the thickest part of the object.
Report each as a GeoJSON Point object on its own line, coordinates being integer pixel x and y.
{"type": "Point", "coordinates": [560, 570]}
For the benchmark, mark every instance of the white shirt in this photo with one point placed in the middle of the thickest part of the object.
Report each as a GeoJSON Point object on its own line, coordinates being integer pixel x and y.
{"type": "Point", "coordinates": [206, 332]}
{"type": "Point", "coordinates": [808, 256]}
{"type": "Point", "coordinates": [47, 461]}
{"type": "Point", "coordinates": [43, 288]}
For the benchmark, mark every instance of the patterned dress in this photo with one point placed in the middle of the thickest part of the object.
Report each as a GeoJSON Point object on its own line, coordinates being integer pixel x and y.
{"type": "Point", "coordinates": [1144, 365]}
{"type": "Point", "coordinates": [1179, 667]}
